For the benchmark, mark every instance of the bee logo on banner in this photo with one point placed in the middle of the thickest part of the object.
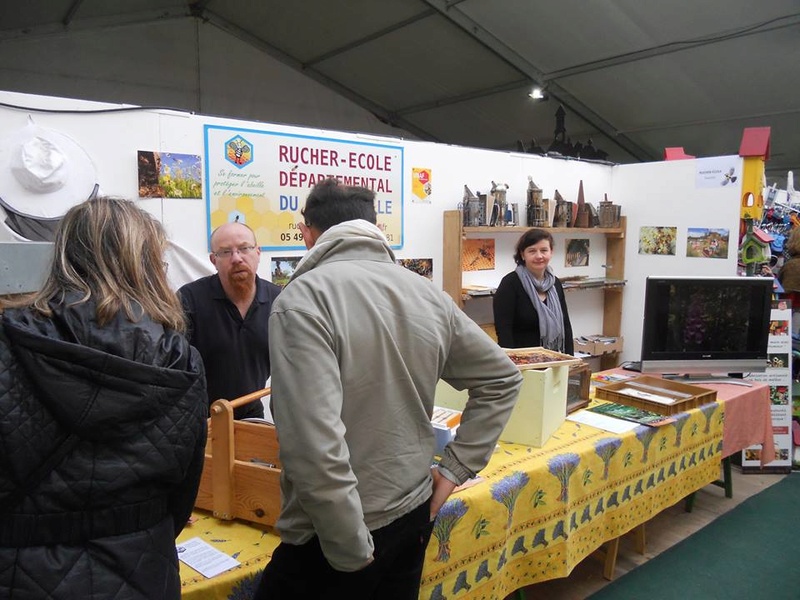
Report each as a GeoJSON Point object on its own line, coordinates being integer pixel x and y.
{"type": "Point", "coordinates": [262, 178]}
{"type": "Point", "coordinates": [239, 151]}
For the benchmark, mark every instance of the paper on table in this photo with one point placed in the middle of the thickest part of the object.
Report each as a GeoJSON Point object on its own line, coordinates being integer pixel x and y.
{"type": "Point", "coordinates": [204, 558]}
{"type": "Point", "coordinates": [593, 419]}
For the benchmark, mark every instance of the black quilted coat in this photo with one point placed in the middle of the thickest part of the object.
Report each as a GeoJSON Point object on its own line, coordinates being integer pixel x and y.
{"type": "Point", "coordinates": [102, 432]}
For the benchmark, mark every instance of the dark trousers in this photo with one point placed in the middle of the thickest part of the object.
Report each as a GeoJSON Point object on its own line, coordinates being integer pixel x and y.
{"type": "Point", "coordinates": [300, 572]}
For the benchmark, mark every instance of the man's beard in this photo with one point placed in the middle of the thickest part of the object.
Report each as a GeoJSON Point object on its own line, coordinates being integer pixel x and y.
{"type": "Point", "coordinates": [242, 282]}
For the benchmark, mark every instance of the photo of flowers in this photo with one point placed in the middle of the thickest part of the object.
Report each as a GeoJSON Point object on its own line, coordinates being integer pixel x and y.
{"type": "Point", "coordinates": [657, 240]}
{"type": "Point", "coordinates": [477, 254]}
{"type": "Point", "coordinates": [169, 175]}
{"type": "Point", "coordinates": [281, 268]}
{"type": "Point", "coordinates": [420, 266]}
{"type": "Point", "coordinates": [702, 242]}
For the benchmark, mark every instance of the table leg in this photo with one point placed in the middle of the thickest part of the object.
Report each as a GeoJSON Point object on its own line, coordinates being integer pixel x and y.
{"type": "Point", "coordinates": [727, 479]}
{"type": "Point", "coordinates": [612, 549]}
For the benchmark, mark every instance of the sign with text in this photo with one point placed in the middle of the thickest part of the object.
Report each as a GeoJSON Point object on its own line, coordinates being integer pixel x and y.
{"type": "Point", "coordinates": [262, 178]}
{"type": "Point", "coordinates": [779, 378]}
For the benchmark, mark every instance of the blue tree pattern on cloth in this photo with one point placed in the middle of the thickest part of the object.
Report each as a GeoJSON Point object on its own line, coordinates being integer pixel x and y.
{"type": "Point", "coordinates": [483, 571]}
{"type": "Point", "coordinates": [437, 594]}
{"type": "Point", "coordinates": [559, 531]}
{"type": "Point", "coordinates": [519, 546]}
{"type": "Point", "coordinates": [449, 515]}
{"type": "Point", "coordinates": [680, 422]}
{"type": "Point", "coordinates": [539, 538]}
{"type": "Point", "coordinates": [507, 490]}
{"type": "Point", "coordinates": [563, 466]}
{"type": "Point", "coordinates": [645, 435]}
{"type": "Point", "coordinates": [708, 410]}
{"type": "Point", "coordinates": [245, 589]}
{"type": "Point", "coordinates": [587, 514]}
{"type": "Point", "coordinates": [606, 448]}
{"type": "Point", "coordinates": [501, 562]}
{"type": "Point", "coordinates": [461, 583]}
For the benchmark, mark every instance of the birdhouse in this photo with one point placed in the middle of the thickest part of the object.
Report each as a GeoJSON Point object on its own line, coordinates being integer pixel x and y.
{"type": "Point", "coordinates": [755, 248]}
{"type": "Point", "coordinates": [754, 150]}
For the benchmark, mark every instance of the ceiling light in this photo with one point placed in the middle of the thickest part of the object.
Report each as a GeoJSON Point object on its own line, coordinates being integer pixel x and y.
{"type": "Point", "coordinates": [538, 93]}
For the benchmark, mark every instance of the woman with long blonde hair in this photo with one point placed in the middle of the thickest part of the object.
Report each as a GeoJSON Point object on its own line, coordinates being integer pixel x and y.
{"type": "Point", "coordinates": [102, 417]}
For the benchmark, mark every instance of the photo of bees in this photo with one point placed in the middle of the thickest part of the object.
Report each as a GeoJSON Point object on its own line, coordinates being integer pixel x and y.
{"type": "Point", "coordinates": [169, 175]}
{"type": "Point", "coordinates": [477, 254]}
{"type": "Point", "coordinates": [420, 266]}
{"type": "Point", "coordinates": [657, 240]}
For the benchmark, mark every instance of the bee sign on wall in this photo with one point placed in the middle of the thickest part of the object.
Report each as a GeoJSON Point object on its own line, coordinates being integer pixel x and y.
{"type": "Point", "coordinates": [262, 178]}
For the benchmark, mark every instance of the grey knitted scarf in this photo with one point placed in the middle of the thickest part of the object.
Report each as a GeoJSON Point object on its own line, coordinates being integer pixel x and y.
{"type": "Point", "coordinates": [551, 319]}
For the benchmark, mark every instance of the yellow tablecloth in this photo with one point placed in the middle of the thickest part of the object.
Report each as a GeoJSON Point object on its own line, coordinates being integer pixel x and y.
{"type": "Point", "coordinates": [250, 544]}
{"type": "Point", "coordinates": [536, 514]}
{"type": "Point", "coordinates": [541, 511]}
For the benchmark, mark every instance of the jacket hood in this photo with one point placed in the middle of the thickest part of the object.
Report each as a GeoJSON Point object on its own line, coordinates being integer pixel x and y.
{"type": "Point", "coordinates": [347, 240]}
{"type": "Point", "coordinates": [100, 382]}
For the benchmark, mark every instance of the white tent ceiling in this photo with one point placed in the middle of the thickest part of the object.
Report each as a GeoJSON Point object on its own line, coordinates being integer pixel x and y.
{"type": "Point", "coordinates": [634, 76]}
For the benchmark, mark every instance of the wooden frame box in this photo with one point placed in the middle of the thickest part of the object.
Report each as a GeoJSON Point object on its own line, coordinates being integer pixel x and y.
{"type": "Point", "coordinates": [542, 404]}
{"type": "Point", "coordinates": [662, 396]}
{"type": "Point", "coordinates": [241, 473]}
{"type": "Point", "coordinates": [578, 387]}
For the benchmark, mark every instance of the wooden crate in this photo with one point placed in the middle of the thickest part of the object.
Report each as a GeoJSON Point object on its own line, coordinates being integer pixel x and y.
{"type": "Point", "coordinates": [241, 473]}
{"type": "Point", "coordinates": [662, 396]}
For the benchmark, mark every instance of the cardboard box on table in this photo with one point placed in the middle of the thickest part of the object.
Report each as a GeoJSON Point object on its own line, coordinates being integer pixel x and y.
{"type": "Point", "coordinates": [241, 472]}
{"type": "Point", "coordinates": [597, 345]}
{"type": "Point", "coordinates": [542, 404]}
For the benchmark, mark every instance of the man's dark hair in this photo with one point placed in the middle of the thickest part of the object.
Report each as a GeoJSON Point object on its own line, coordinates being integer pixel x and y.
{"type": "Point", "coordinates": [330, 203]}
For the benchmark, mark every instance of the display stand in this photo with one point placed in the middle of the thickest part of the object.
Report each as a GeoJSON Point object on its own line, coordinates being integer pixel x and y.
{"type": "Point", "coordinates": [779, 378]}
{"type": "Point", "coordinates": [453, 233]}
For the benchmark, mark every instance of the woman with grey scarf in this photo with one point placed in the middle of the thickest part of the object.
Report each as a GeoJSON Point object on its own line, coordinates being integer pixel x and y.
{"type": "Point", "coordinates": [529, 305]}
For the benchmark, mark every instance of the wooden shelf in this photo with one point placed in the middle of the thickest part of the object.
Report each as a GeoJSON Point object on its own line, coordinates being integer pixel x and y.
{"type": "Point", "coordinates": [607, 231]}
{"type": "Point", "coordinates": [454, 233]}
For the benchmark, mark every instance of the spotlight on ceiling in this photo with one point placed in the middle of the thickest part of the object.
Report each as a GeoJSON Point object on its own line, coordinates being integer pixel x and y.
{"type": "Point", "coordinates": [538, 93]}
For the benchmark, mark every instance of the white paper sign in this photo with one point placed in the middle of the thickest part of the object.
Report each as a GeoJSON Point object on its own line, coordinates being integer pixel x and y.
{"type": "Point", "coordinates": [204, 558]}
{"type": "Point", "coordinates": [612, 424]}
{"type": "Point", "coordinates": [716, 172]}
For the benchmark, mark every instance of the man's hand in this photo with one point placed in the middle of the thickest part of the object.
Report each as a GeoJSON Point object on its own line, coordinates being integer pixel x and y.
{"type": "Point", "coordinates": [442, 488]}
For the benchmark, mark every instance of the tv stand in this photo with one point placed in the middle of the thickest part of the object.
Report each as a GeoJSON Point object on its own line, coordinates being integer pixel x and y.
{"type": "Point", "coordinates": [701, 378]}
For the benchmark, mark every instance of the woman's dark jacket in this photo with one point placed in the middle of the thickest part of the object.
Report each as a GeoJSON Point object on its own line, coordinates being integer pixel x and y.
{"type": "Point", "coordinates": [102, 435]}
{"type": "Point", "coordinates": [515, 319]}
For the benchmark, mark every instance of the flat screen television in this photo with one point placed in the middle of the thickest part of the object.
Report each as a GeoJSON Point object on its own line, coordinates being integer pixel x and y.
{"type": "Point", "coordinates": [700, 326]}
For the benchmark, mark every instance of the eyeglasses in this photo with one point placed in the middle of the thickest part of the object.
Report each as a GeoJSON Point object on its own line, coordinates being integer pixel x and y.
{"type": "Point", "coordinates": [226, 253]}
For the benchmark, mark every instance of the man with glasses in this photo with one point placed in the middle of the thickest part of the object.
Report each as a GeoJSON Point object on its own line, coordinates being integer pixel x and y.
{"type": "Point", "coordinates": [228, 317]}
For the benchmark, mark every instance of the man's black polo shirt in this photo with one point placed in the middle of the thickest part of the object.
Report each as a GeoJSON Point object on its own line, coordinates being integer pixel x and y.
{"type": "Point", "coordinates": [235, 351]}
